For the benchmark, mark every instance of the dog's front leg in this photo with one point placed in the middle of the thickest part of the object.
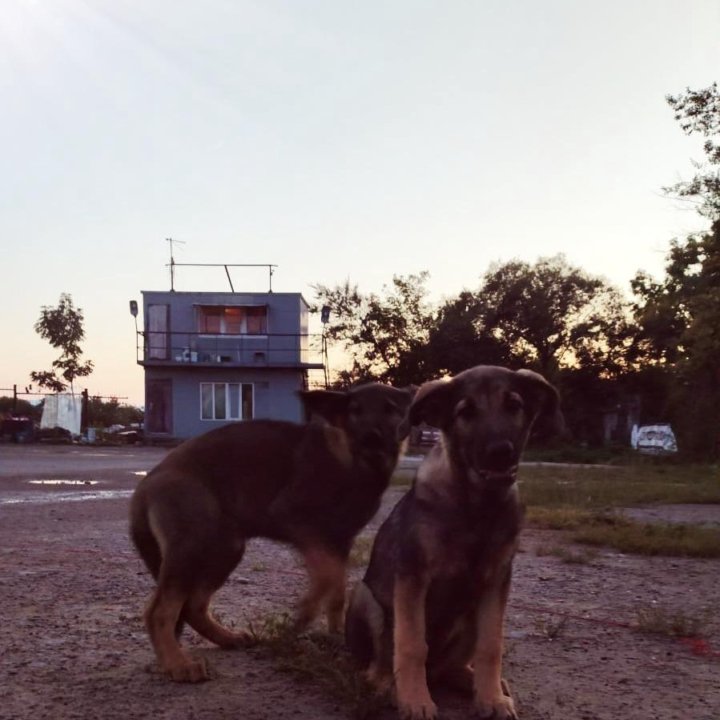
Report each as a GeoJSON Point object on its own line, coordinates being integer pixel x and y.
{"type": "Point", "coordinates": [410, 649]}
{"type": "Point", "coordinates": [491, 698]}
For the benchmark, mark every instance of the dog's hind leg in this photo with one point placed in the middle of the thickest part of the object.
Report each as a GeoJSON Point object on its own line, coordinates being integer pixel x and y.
{"type": "Point", "coordinates": [365, 635]}
{"type": "Point", "coordinates": [197, 613]}
{"type": "Point", "coordinates": [327, 572]}
{"type": "Point", "coordinates": [161, 618]}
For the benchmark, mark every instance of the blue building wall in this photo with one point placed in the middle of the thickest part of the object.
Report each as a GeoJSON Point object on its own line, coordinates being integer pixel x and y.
{"type": "Point", "coordinates": [275, 395]}
{"type": "Point", "coordinates": [275, 363]}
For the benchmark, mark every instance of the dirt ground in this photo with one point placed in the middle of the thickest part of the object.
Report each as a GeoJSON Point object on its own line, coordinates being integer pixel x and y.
{"type": "Point", "coordinates": [72, 643]}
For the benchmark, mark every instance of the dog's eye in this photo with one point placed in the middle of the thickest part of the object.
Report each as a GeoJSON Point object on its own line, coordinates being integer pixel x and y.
{"type": "Point", "coordinates": [514, 402]}
{"type": "Point", "coordinates": [466, 410]}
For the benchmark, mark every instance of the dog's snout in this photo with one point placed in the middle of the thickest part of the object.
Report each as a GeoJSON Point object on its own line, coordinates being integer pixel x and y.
{"type": "Point", "coordinates": [500, 455]}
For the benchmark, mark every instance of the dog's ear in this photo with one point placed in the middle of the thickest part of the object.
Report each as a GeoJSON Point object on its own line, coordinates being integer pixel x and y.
{"type": "Point", "coordinates": [550, 420]}
{"type": "Point", "coordinates": [329, 405]}
{"type": "Point", "coordinates": [430, 405]}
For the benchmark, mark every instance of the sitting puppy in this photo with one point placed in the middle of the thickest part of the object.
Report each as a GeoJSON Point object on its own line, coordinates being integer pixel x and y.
{"type": "Point", "coordinates": [431, 605]}
{"type": "Point", "coordinates": [313, 486]}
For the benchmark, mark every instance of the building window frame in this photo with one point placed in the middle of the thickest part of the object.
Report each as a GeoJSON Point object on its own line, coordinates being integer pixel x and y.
{"type": "Point", "coordinates": [232, 320]}
{"type": "Point", "coordinates": [227, 401]}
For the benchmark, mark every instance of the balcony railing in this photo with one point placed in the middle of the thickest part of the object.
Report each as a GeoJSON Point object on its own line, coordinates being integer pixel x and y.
{"type": "Point", "coordinates": [271, 350]}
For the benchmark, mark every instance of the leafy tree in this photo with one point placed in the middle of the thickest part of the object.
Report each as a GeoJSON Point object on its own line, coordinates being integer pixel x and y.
{"type": "Point", "coordinates": [549, 315]}
{"type": "Point", "coordinates": [459, 339]}
{"type": "Point", "coordinates": [698, 111]}
{"type": "Point", "coordinates": [62, 327]}
{"type": "Point", "coordinates": [384, 334]}
{"type": "Point", "coordinates": [105, 413]}
{"type": "Point", "coordinates": [21, 407]}
{"type": "Point", "coordinates": [679, 320]}
{"type": "Point", "coordinates": [679, 315]}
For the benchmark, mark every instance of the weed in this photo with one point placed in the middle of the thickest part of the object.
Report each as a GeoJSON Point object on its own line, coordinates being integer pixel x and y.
{"type": "Point", "coordinates": [551, 628]}
{"type": "Point", "coordinates": [319, 658]}
{"type": "Point", "coordinates": [573, 557]}
{"type": "Point", "coordinates": [361, 549]}
{"type": "Point", "coordinates": [672, 623]}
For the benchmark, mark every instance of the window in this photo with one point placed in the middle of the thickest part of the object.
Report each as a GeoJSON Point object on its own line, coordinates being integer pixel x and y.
{"type": "Point", "coordinates": [226, 401]}
{"type": "Point", "coordinates": [232, 320]}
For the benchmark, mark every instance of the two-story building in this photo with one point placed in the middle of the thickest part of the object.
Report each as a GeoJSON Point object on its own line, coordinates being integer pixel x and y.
{"type": "Point", "coordinates": [216, 357]}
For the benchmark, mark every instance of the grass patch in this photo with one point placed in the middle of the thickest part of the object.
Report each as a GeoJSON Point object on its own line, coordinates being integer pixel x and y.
{"type": "Point", "coordinates": [557, 518]}
{"type": "Point", "coordinates": [610, 529]}
{"type": "Point", "coordinates": [319, 658]}
{"type": "Point", "coordinates": [671, 623]}
{"type": "Point", "coordinates": [567, 555]}
{"type": "Point", "coordinates": [637, 484]}
{"type": "Point", "coordinates": [580, 455]}
{"type": "Point", "coordinates": [669, 539]}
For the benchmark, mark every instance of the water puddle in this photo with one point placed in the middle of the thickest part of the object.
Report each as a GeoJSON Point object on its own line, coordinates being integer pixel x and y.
{"type": "Point", "coordinates": [62, 482]}
{"type": "Point", "coordinates": [62, 497]}
{"type": "Point", "coordinates": [140, 473]}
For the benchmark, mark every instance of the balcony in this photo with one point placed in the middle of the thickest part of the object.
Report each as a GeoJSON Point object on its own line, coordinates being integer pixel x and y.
{"type": "Point", "coordinates": [273, 350]}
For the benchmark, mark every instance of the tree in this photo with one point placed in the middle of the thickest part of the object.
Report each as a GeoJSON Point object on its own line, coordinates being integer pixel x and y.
{"type": "Point", "coordinates": [62, 327]}
{"type": "Point", "coordinates": [679, 321]}
{"type": "Point", "coordinates": [9, 406]}
{"type": "Point", "coordinates": [549, 315]}
{"type": "Point", "coordinates": [679, 315]}
{"type": "Point", "coordinates": [459, 340]}
{"type": "Point", "coordinates": [103, 414]}
{"type": "Point", "coordinates": [384, 334]}
{"type": "Point", "coordinates": [698, 111]}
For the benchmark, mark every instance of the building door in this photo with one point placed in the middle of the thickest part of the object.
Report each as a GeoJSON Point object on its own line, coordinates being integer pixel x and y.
{"type": "Point", "coordinates": [158, 406]}
{"type": "Point", "coordinates": [158, 337]}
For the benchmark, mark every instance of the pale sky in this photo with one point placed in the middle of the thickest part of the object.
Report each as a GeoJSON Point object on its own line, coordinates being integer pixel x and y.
{"type": "Point", "coordinates": [336, 139]}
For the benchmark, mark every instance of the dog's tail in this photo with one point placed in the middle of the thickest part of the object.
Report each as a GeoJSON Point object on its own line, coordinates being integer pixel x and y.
{"type": "Point", "coordinates": [141, 533]}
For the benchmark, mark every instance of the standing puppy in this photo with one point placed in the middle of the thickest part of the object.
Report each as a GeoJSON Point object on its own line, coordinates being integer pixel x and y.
{"type": "Point", "coordinates": [432, 602]}
{"type": "Point", "coordinates": [313, 486]}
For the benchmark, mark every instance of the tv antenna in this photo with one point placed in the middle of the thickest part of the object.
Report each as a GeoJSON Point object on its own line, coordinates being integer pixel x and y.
{"type": "Point", "coordinates": [172, 260]}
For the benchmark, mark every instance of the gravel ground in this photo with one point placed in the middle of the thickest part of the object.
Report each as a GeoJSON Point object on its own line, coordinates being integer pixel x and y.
{"type": "Point", "coordinates": [73, 645]}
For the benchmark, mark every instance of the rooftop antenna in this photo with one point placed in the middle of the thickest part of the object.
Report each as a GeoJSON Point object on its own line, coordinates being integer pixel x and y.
{"type": "Point", "coordinates": [172, 261]}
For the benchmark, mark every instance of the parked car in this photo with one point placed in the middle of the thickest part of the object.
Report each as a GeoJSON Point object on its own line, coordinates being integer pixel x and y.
{"type": "Point", "coordinates": [654, 439]}
{"type": "Point", "coordinates": [425, 436]}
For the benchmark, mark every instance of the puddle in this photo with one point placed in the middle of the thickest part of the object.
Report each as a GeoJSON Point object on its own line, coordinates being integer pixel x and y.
{"type": "Point", "coordinates": [61, 497]}
{"type": "Point", "coordinates": [140, 473]}
{"type": "Point", "coordinates": [62, 482]}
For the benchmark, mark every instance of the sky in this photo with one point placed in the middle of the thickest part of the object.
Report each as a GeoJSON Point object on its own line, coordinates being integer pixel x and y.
{"type": "Point", "coordinates": [338, 140]}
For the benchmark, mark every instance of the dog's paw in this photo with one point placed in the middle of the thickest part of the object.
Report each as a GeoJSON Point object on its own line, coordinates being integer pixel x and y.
{"type": "Point", "coordinates": [236, 640]}
{"type": "Point", "coordinates": [500, 708]}
{"type": "Point", "coordinates": [192, 671]}
{"type": "Point", "coordinates": [418, 709]}
{"type": "Point", "coordinates": [381, 682]}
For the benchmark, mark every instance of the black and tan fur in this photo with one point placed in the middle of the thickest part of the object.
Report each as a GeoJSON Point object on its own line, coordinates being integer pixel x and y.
{"type": "Point", "coordinates": [313, 486]}
{"type": "Point", "coordinates": [430, 608]}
